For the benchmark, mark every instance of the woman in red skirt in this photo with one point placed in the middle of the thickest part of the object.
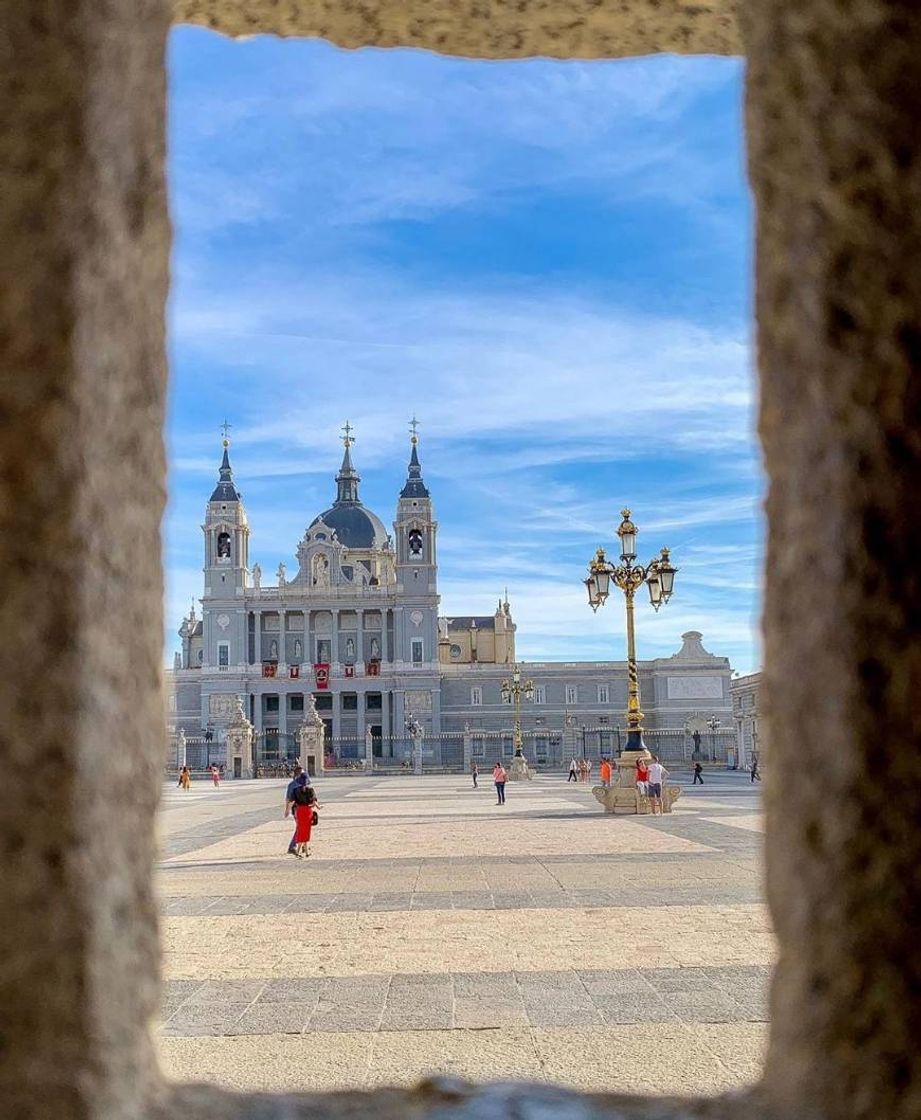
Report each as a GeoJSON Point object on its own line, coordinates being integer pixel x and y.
{"type": "Point", "coordinates": [305, 802]}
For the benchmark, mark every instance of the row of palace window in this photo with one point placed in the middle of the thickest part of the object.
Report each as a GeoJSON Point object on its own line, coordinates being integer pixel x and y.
{"type": "Point", "coordinates": [324, 652]}
{"type": "Point", "coordinates": [348, 702]}
{"type": "Point", "coordinates": [540, 695]}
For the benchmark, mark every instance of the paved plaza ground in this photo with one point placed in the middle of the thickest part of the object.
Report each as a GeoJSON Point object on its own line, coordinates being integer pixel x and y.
{"type": "Point", "coordinates": [432, 931]}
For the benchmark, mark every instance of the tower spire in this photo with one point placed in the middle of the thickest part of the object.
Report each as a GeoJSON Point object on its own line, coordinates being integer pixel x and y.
{"type": "Point", "coordinates": [415, 487]}
{"type": "Point", "coordinates": [225, 491]}
{"type": "Point", "coordinates": [348, 478]}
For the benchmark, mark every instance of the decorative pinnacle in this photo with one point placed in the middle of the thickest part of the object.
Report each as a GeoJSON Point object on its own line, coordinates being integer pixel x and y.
{"type": "Point", "coordinates": [225, 432]}
{"type": "Point", "coordinates": [414, 428]}
{"type": "Point", "coordinates": [348, 439]}
{"type": "Point", "coordinates": [625, 514]}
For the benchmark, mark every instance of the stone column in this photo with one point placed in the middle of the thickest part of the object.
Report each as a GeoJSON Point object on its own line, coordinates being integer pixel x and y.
{"type": "Point", "coordinates": [833, 107]}
{"type": "Point", "coordinates": [238, 744]}
{"type": "Point", "coordinates": [369, 750]}
{"type": "Point", "coordinates": [468, 748]}
{"type": "Point", "coordinates": [360, 641]}
{"type": "Point", "coordinates": [282, 638]}
{"type": "Point", "coordinates": [259, 639]}
{"type": "Point", "coordinates": [334, 644]}
{"type": "Point", "coordinates": [83, 285]}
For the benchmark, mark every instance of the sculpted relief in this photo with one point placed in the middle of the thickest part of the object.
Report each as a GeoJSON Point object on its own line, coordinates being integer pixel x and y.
{"type": "Point", "coordinates": [695, 688]}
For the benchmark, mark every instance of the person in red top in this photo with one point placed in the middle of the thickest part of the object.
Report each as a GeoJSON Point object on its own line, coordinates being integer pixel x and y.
{"type": "Point", "coordinates": [642, 777]}
{"type": "Point", "coordinates": [499, 777]}
{"type": "Point", "coordinates": [305, 802]}
{"type": "Point", "coordinates": [605, 772]}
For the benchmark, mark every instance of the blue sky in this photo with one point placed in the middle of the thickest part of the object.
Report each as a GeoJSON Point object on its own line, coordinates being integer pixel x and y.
{"type": "Point", "coordinates": [548, 263]}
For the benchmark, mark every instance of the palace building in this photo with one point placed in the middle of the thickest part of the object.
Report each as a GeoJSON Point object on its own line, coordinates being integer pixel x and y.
{"type": "Point", "coordinates": [355, 629]}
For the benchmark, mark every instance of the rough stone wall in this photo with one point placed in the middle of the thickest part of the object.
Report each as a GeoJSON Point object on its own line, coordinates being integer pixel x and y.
{"type": "Point", "coordinates": [486, 28]}
{"type": "Point", "coordinates": [83, 279]}
{"type": "Point", "coordinates": [834, 100]}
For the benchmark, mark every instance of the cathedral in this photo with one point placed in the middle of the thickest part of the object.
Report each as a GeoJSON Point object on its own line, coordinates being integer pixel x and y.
{"type": "Point", "coordinates": [354, 630]}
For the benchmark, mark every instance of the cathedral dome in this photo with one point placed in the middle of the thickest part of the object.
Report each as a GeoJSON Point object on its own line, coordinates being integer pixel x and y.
{"type": "Point", "coordinates": [355, 526]}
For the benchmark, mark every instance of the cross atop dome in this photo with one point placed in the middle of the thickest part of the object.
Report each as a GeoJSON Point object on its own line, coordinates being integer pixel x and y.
{"type": "Point", "coordinates": [348, 439]}
{"type": "Point", "coordinates": [225, 432]}
{"type": "Point", "coordinates": [414, 428]}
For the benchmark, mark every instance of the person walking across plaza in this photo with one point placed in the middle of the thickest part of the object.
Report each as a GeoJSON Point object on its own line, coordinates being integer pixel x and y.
{"type": "Point", "coordinates": [305, 806]}
{"type": "Point", "coordinates": [500, 777]}
{"type": "Point", "coordinates": [657, 776]}
{"type": "Point", "coordinates": [215, 775]}
{"type": "Point", "coordinates": [185, 778]}
{"type": "Point", "coordinates": [756, 773]}
{"type": "Point", "coordinates": [573, 771]}
{"type": "Point", "coordinates": [289, 807]}
{"type": "Point", "coordinates": [698, 774]}
{"type": "Point", "coordinates": [605, 773]}
{"type": "Point", "coordinates": [475, 774]}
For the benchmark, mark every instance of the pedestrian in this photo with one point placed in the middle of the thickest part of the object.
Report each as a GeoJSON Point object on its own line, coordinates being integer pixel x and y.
{"type": "Point", "coordinates": [500, 777]}
{"type": "Point", "coordinates": [588, 769]}
{"type": "Point", "coordinates": [698, 772]}
{"type": "Point", "coordinates": [305, 806]}
{"type": "Point", "coordinates": [289, 807]}
{"type": "Point", "coordinates": [657, 776]}
{"type": "Point", "coordinates": [756, 774]}
{"type": "Point", "coordinates": [605, 773]}
{"type": "Point", "coordinates": [215, 775]}
{"type": "Point", "coordinates": [573, 770]}
{"type": "Point", "coordinates": [185, 778]}
{"type": "Point", "coordinates": [642, 777]}
{"type": "Point", "coordinates": [475, 774]}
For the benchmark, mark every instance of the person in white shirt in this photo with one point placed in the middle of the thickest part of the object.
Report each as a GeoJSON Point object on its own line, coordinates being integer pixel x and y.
{"type": "Point", "coordinates": [573, 771]}
{"type": "Point", "coordinates": [657, 776]}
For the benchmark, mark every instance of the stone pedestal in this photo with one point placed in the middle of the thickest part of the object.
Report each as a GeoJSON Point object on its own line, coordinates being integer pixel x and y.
{"type": "Point", "coordinates": [518, 770]}
{"type": "Point", "coordinates": [311, 739]}
{"type": "Point", "coordinates": [623, 797]}
{"type": "Point", "coordinates": [369, 752]}
{"type": "Point", "coordinates": [238, 745]}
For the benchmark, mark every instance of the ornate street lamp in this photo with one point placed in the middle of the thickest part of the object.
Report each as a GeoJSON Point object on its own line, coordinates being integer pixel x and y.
{"type": "Point", "coordinates": [512, 692]}
{"type": "Point", "coordinates": [629, 576]}
{"type": "Point", "coordinates": [414, 729]}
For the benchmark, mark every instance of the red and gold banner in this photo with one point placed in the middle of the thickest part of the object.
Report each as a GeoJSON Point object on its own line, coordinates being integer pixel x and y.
{"type": "Point", "coordinates": [269, 668]}
{"type": "Point", "coordinates": [321, 674]}
{"type": "Point", "coordinates": [350, 670]}
{"type": "Point", "coordinates": [373, 668]}
{"type": "Point", "coordinates": [294, 670]}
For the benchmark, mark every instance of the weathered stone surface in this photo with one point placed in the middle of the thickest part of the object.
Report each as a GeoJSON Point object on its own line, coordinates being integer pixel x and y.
{"type": "Point", "coordinates": [486, 28]}
{"type": "Point", "coordinates": [83, 280]}
{"type": "Point", "coordinates": [833, 106]}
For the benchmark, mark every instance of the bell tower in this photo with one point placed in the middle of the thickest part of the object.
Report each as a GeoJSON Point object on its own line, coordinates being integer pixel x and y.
{"type": "Point", "coordinates": [226, 533]}
{"type": "Point", "coordinates": [416, 528]}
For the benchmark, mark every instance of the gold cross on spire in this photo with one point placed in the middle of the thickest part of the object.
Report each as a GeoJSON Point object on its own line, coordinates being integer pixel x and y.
{"type": "Point", "coordinates": [348, 439]}
{"type": "Point", "coordinates": [225, 432]}
{"type": "Point", "coordinates": [414, 428]}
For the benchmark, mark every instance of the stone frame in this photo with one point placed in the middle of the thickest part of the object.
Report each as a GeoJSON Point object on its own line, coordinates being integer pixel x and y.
{"type": "Point", "coordinates": [832, 105]}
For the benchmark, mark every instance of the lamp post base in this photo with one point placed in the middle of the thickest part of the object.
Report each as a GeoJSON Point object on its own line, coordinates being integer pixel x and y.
{"type": "Point", "coordinates": [519, 771]}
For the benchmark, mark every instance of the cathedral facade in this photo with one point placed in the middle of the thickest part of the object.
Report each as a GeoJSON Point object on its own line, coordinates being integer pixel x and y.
{"type": "Point", "coordinates": [355, 631]}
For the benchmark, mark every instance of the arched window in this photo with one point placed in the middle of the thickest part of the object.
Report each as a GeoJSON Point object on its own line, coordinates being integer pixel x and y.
{"type": "Point", "coordinates": [223, 546]}
{"type": "Point", "coordinates": [415, 542]}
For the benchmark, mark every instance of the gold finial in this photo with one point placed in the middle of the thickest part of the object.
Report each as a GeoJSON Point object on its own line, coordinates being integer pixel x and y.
{"type": "Point", "coordinates": [225, 432]}
{"type": "Point", "coordinates": [414, 428]}
{"type": "Point", "coordinates": [625, 514]}
{"type": "Point", "coordinates": [348, 439]}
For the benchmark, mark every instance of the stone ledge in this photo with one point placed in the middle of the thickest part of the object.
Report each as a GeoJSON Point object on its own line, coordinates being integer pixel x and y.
{"type": "Point", "coordinates": [444, 1098]}
{"type": "Point", "coordinates": [486, 28]}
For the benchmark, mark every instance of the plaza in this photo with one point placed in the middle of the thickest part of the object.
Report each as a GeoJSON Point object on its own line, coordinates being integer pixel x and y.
{"type": "Point", "coordinates": [432, 932]}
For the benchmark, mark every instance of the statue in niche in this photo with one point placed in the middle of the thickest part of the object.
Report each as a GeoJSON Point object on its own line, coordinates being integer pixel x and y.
{"type": "Point", "coordinates": [257, 576]}
{"type": "Point", "coordinates": [375, 650]}
{"type": "Point", "coordinates": [320, 570]}
{"type": "Point", "coordinates": [223, 546]}
{"type": "Point", "coordinates": [349, 649]}
{"type": "Point", "coordinates": [282, 578]}
{"type": "Point", "coordinates": [443, 628]}
{"type": "Point", "coordinates": [273, 651]}
{"type": "Point", "coordinates": [298, 649]}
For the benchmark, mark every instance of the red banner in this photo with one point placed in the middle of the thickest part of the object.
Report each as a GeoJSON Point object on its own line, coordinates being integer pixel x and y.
{"type": "Point", "coordinates": [373, 668]}
{"type": "Point", "coordinates": [294, 670]}
{"type": "Point", "coordinates": [321, 673]}
{"type": "Point", "coordinates": [350, 670]}
{"type": "Point", "coordinates": [268, 668]}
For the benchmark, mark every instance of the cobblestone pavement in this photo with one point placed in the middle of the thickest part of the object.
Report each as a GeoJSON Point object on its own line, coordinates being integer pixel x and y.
{"type": "Point", "coordinates": [432, 930]}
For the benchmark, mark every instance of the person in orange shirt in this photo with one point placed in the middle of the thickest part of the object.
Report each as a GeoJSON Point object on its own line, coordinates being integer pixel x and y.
{"type": "Point", "coordinates": [605, 772]}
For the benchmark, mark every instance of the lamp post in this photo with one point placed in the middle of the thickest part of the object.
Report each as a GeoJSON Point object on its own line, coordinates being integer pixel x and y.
{"type": "Point", "coordinates": [512, 691]}
{"type": "Point", "coordinates": [629, 576]}
{"type": "Point", "coordinates": [714, 724]}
